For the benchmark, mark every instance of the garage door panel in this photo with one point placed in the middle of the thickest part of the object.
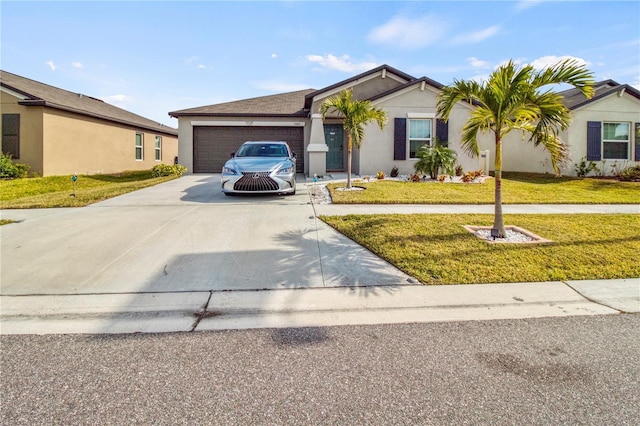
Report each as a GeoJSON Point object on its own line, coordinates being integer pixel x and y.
{"type": "Point", "coordinates": [213, 145]}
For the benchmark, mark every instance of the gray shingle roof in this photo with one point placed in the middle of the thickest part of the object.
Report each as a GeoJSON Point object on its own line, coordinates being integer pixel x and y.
{"type": "Point", "coordinates": [40, 94]}
{"type": "Point", "coordinates": [280, 105]}
{"type": "Point", "coordinates": [574, 99]}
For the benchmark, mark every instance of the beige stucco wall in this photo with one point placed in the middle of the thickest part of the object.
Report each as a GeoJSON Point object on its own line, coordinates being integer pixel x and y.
{"type": "Point", "coordinates": [31, 130]}
{"type": "Point", "coordinates": [376, 152]}
{"type": "Point", "coordinates": [85, 145]}
{"type": "Point", "coordinates": [519, 155]}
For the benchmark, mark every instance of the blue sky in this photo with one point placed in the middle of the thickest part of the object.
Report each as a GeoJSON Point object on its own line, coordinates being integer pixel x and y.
{"type": "Point", "coordinates": [155, 57]}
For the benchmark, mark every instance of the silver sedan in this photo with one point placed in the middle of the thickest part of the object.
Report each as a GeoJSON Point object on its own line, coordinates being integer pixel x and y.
{"type": "Point", "coordinates": [260, 167]}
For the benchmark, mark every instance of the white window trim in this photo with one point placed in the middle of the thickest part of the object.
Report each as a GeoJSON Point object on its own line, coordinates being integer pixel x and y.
{"type": "Point", "coordinates": [157, 148]}
{"type": "Point", "coordinates": [418, 116]}
{"type": "Point", "coordinates": [141, 147]}
{"type": "Point", "coordinates": [628, 141]}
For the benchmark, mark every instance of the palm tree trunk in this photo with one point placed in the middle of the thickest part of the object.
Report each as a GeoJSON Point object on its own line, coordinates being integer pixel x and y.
{"type": "Point", "coordinates": [349, 149]}
{"type": "Point", "coordinates": [498, 220]}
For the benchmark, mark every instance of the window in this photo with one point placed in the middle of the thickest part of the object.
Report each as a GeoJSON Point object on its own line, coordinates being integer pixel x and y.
{"type": "Point", "coordinates": [139, 146]}
{"type": "Point", "coordinates": [419, 134]}
{"type": "Point", "coordinates": [11, 135]}
{"type": "Point", "coordinates": [615, 141]}
{"type": "Point", "coordinates": [158, 148]}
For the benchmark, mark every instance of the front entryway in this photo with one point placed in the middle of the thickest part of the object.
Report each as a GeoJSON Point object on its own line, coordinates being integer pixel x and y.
{"type": "Point", "coordinates": [334, 138]}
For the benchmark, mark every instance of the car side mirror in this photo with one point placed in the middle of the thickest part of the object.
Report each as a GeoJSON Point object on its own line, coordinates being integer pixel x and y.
{"type": "Point", "coordinates": [294, 155]}
{"type": "Point", "coordinates": [232, 155]}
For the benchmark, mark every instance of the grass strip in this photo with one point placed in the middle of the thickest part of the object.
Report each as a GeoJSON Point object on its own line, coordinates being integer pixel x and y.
{"type": "Point", "coordinates": [436, 249]}
{"type": "Point", "coordinates": [59, 191]}
{"type": "Point", "coordinates": [516, 189]}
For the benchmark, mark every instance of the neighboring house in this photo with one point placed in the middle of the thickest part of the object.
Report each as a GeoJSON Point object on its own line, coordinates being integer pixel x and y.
{"type": "Point", "coordinates": [209, 134]}
{"type": "Point", "coordinates": [57, 132]}
{"type": "Point", "coordinates": [604, 129]}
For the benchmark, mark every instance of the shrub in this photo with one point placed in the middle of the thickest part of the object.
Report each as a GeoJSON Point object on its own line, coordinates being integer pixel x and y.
{"type": "Point", "coordinates": [11, 170]}
{"type": "Point", "coordinates": [432, 159]}
{"type": "Point", "coordinates": [168, 170]}
{"type": "Point", "coordinates": [414, 177]}
{"type": "Point", "coordinates": [459, 170]}
{"type": "Point", "coordinates": [630, 174]}
{"type": "Point", "coordinates": [583, 168]}
{"type": "Point", "coordinates": [471, 176]}
{"type": "Point", "coordinates": [380, 175]}
{"type": "Point", "coordinates": [394, 172]}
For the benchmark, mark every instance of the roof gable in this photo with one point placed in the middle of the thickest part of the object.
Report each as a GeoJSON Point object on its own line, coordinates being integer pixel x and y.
{"type": "Point", "coordinates": [424, 81]}
{"type": "Point", "coordinates": [573, 99]}
{"type": "Point", "coordinates": [40, 94]}
{"type": "Point", "coordinates": [384, 69]}
{"type": "Point", "coordinates": [280, 105]}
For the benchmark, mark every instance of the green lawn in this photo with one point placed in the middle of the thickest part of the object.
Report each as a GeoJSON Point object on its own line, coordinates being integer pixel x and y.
{"type": "Point", "coordinates": [59, 191]}
{"type": "Point", "coordinates": [516, 189]}
{"type": "Point", "coordinates": [436, 249]}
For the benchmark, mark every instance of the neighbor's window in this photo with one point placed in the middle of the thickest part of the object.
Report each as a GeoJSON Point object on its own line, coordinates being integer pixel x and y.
{"type": "Point", "coordinates": [139, 144]}
{"type": "Point", "coordinates": [615, 141]}
{"type": "Point", "coordinates": [419, 134]}
{"type": "Point", "coordinates": [11, 135]}
{"type": "Point", "coordinates": [158, 148]}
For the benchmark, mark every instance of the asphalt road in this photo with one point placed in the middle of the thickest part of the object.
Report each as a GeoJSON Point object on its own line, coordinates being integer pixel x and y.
{"type": "Point", "coordinates": [571, 370]}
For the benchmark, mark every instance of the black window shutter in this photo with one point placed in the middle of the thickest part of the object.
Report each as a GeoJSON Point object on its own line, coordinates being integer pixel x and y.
{"type": "Point", "coordinates": [400, 139]}
{"type": "Point", "coordinates": [11, 134]}
{"type": "Point", "coordinates": [637, 136]}
{"type": "Point", "coordinates": [442, 132]}
{"type": "Point", "coordinates": [594, 142]}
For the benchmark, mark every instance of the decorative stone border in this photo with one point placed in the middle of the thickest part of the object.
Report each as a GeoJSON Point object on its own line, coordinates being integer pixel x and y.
{"type": "Point", "coordinates": [534, 239]}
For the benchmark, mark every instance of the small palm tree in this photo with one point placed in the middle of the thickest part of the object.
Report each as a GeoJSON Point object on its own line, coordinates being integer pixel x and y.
{"type": "Point", "coordinates": [356, 115]}
{"type": "Point", "coordinates": [513, 99]}
{"type": "Point", "coordinates": [434, 158]}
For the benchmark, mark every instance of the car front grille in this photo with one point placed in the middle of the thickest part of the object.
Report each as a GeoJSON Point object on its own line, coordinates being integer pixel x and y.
{"type": "Point", "coordinates": [255, 182]}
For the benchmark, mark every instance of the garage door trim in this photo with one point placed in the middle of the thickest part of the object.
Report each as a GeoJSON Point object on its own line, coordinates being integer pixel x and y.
{"type": "Point", "coordinates": [249, 123]}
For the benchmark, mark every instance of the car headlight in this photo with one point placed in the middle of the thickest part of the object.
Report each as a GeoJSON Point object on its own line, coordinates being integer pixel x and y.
{"type": "Point", "coordinates": [228, 171]}
{"type": "Point", "coordinates": [285, 170]}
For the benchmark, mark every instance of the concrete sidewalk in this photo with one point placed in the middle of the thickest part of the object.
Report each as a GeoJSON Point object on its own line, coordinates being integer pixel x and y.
{"type": "Point", "coordinates": [311, 307]}
{"type": "Point", "coordinates": [182, 257]}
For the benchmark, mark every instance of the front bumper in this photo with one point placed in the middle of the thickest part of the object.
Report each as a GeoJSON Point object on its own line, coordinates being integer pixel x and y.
{"type": "Point", "coordinates": [259, 183]}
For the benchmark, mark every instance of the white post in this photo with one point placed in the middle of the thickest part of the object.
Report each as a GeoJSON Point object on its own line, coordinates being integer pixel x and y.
{"type": "Point", "coordinates": [317, 147]}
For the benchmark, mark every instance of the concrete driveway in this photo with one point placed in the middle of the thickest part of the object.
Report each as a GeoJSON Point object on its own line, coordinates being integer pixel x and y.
{"type": "Point", "coordinates": [183, 235]}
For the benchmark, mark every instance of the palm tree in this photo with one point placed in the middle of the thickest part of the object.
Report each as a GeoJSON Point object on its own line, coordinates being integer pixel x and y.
{"type": "Point", "coordinates": [513, 98]}
{"type": "Point", "coordinates": [356, 115]}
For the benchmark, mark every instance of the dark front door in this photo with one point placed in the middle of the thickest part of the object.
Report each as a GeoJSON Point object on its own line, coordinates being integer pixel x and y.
{"type": "Point", "coordinates": [334, 137]}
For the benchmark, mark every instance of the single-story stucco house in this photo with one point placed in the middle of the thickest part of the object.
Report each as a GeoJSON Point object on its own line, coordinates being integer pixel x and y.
{"type": "Point", "coordinates": [209, 134]}
{"type": "Point", "coordinates": [58, 132]}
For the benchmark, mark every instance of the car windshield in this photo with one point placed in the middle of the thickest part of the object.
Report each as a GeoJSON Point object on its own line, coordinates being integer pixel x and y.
{"type": "Point", "coordinates": [262, 150]}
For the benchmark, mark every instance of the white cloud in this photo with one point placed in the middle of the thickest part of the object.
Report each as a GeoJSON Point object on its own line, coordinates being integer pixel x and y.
{"type": "Point", "coordinates": [119, 100]}
{"type": "Point", "coordinates": [410, 33]}
{"type": "Point", "coordinates": [477, 36]}
{"type": "Point", "coordinates": [273, 55]}
{"type": "Point", "coordinates": [343, 63]}
{"type": "Point", "coordinates": [527, 4]}
{"type": "Point", "coordinates": [477, 63]}
{"type": "Point", "coordinates": [51, 65]}
{"type": "Point", "coordinates": [547, 61]}
{"type": "Point", "coordinates": [202, 67]}
{"type": "Point", "coordinates": [77, 65]}
{"type": "Point", "coordinates": [191, 59]}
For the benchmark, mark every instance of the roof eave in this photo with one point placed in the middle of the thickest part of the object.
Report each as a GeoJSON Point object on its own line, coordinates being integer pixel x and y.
{"type": "Point", "coordinates": [178, 114]}
{"type": "Point", "coordinates": [39, 102]}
